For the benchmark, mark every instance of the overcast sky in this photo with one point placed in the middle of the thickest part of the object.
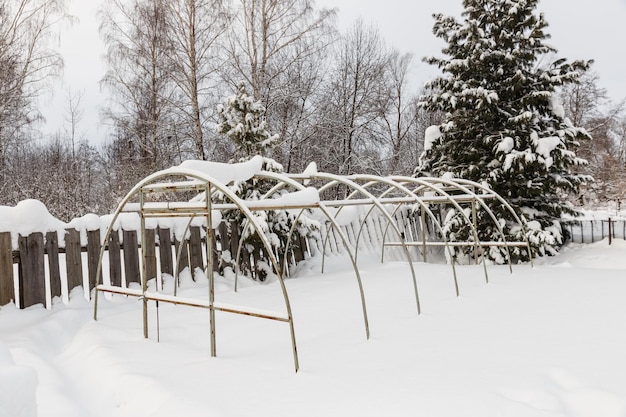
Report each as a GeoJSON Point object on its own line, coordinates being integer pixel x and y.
{"type": "Point", "coordinates": [580, 29]}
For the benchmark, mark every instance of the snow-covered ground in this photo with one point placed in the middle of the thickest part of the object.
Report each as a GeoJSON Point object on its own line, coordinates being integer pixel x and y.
{"type": "Point", "coordinates": [543, 341]}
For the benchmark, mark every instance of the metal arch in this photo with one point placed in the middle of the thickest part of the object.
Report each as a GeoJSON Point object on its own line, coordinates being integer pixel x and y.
{"type": "Point", "coordinates": [476, 197]}
{"type": "Point", "coordinates": [521, 220]}
{"type": "Point", "coordinates": [198, 175]}
{"type": "Point", "coordinates": [357, 187]}
{"type": "Point", "coordinates": [459, 208]}
{"type": "Point", "coordinates": [418, 200]}
{"type": "Point", "coordinates": [324, 209]}
{"type": "Point", "coordinates": [273, 190]}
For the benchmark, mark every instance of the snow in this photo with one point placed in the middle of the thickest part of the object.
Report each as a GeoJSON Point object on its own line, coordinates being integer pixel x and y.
{"type": "Point", "coordinates": [28, 216]}
{"type": "Point", "coordinates": [544, 341]}
{"type": "Point", "coordinates": [506, 145]}
{"type": "Point", "coordinates": [226, 173]}
{"type": "Point", "coordinates": [547, 145]}
{"type": "Point", "coordinates": [431, 135]}
{"type": "Point", "coordinates": [557, 107]}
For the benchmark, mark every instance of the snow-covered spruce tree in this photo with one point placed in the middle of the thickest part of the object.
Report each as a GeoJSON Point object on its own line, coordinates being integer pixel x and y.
{"type": "Point", "coordinates": [242, 121]}
{"type": "Point", "coordinates": [504, 126]}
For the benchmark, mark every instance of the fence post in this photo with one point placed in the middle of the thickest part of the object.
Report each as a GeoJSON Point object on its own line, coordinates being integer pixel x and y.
{"type": "Point", "coordinates": [610, 231]}
{"type": "Point", "coordinates": [7, 288]}
{"type": "Point", "coordinates": [593, 238]}
{"type": "Point", "coordinates": [32, 276]}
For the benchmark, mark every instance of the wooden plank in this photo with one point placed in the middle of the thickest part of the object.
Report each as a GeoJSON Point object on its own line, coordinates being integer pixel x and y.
{"type": "Point", "coordinates": [93, 254]}
{"type": "Point", "coordinates": [298, 248]}
{"type": "Point", "coordinates": [32, 278]}
{"type": "Point", "coordinates": [150, 253]}
{"type": "Point", "coordinates": [234, 239]}
{"type": "Point", "coordinates": [131, 257]}
{"type": "Point", "coordinates": [165, 251]}
{"type": "Point", "coordinates": [52, 249]}
{"type": "Point", "coordinates": [222, 232]}
{"type": "Point", "coordinates": [216, 267]}
{"type": "Point", "coordinates": [115, 259]}
{"type": "Point", "coordinates": [183, 262]}
{"type": "Point", "coordinates": [73, 259]}
{"type": "Point", "coordinates": [259, 274]}
{"type": "Point", "coordinates": [7, 288]}
{"type": "Point", "coordinates": [195, 250]}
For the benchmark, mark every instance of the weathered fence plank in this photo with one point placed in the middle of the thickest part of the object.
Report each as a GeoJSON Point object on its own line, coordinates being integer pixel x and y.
{"type": "Point", "coordinates": [165, 251]}
{"type": "Point", "coordinates": [115, 259]}
{"type": "Point", "coordinates": [195, 250]}
{"type": "Point", "coordinates": [73, 259]}
{"type": "Point", "coordinates": [149, 246]}
{"type": "Point", "coordinates": [7, 288]}
{"type": "Point", "coordinates": [131, 257]}
{"type": "Point", "coordinates": [93, 254]}
{"type": "Point", "coordinates": [52, 249]}
{"type": "Point", "coordinates": [183, 260]}
{"type": "Point", "coordinates": [32, 273]}
{"type": "Point", "coordinates": [215, 252]}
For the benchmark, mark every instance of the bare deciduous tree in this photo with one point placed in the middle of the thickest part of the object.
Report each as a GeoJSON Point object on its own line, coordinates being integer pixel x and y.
{"type": "Point", "coordinates": [194, 29]}
{"type": "Point", "coordinates": [357, 94]}
{"type": "Point", "coordinates": [27, 64]}
{"type": "Point", "coordinates": [139, 79]}
{"type": "Point", "coordinates": [588, 105]}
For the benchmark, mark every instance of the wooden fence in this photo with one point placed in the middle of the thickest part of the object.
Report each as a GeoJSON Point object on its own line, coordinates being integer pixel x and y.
{"type": "Point", "coordinates": [40, 257]}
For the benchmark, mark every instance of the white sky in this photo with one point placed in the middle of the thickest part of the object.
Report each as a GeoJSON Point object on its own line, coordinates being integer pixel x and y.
{"type": "Point", "coordinates": [580, 29]}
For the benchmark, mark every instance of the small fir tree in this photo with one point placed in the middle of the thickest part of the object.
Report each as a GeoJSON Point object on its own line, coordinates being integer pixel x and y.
{"type": "Point", "coordinates": [504, 126]}
{"type": "Point", "coordinates": [242, 120]}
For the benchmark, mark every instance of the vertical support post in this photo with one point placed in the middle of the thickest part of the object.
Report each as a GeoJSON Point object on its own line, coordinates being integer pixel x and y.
{"type": "Point", "coordinates": [610, 231]}
{"type": "Point", "coordinates": [423, 224]}
{"type": "Point", "coordinates": [475, 225]}
{"type": "Point", "coordinates": [210, 272]}
{"type": "Point", "coordinates": [593, 239]}
{"type": "Point", "coordinates": [144, 272]}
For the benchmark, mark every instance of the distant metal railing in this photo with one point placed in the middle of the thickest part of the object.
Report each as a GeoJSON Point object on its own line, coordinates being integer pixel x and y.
{"type": "Point", "coordinates": [589, 231]}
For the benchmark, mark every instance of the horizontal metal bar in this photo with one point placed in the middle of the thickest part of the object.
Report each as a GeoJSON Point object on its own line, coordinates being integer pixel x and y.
{"type": "Point", "coordinates": [456, 243]}
{"type": "Point", "coordinates": [175, 186]}
{"type": "Point", "coordinates": [252, 314]}
{"type": "Point", "coordinates": [119, 290]}
{"type": "Point", "coordinates": [191, 302]}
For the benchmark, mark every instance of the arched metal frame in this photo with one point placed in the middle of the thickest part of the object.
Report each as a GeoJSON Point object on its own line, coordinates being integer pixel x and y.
{"type": "Point", "coordinates": [411, 191]}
